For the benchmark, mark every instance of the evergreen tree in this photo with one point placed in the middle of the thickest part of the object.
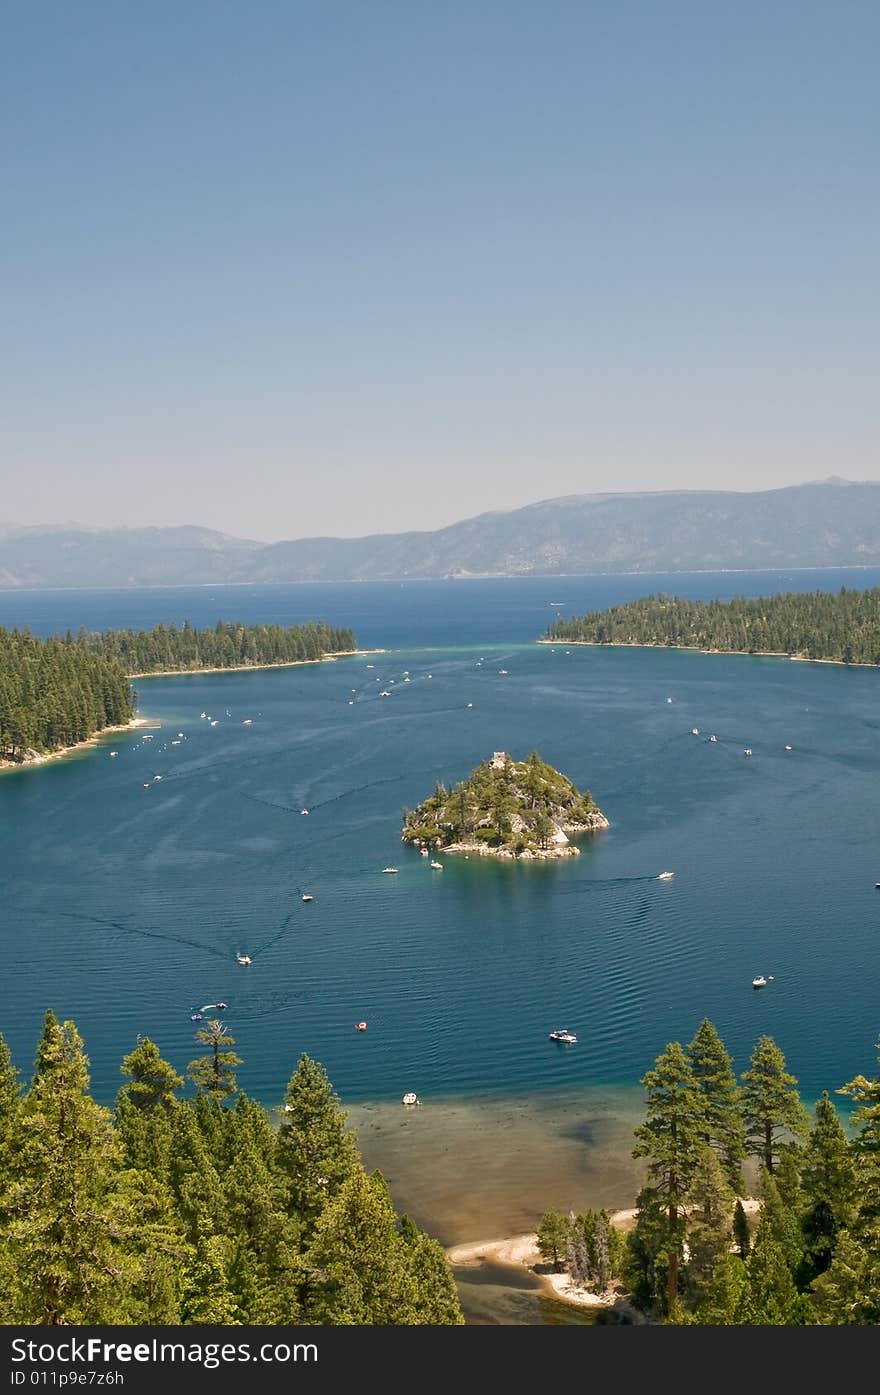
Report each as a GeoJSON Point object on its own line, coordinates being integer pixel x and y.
{"type": "Point", "coordinates": [829, 1184]}
{"type": "Point", "coordinates": [722, 1127]}
{"type": "Point", "coordinates": [315, 1150]}
{"type": "Point", "coordinates": [709, 1230]}
{"type": "Point", "coordinates": [723, 1297]}
{"type": "Point", "coordinates": [553, 1236]}
{"type": "Point", "coordinates": [771, 1104]}
{"type": "Point", "coordinates": [358, 1272]}
{"type": "Point", "coordinates": [741, 1229]}
{"type": "Point", "coordinates": [769, 1297]}
{"type": "Point", "coordinates": [65, 1218]}
{"type": "Point", "coordinates": [215, 1073]}
{"type": "Point", "coordinates": [669, 1139]}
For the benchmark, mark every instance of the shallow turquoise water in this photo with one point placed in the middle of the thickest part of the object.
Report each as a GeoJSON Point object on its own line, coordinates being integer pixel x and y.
{"type": "Point", "coordinates": [124, 906]}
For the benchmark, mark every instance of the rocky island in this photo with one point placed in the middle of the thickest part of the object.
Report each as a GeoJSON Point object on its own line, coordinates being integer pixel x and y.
{"type": "Point", "coordinates": [505, 808]}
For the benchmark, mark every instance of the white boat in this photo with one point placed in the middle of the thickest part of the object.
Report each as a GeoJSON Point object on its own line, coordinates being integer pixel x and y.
{"type": "Point", "coordinates": [563, 1034]}
{"type": "Point", "coordinates": [247, 721]}
{"type": "Point", "coordinates": [665, 876]}
{"type": "Point", "coordinates": [424, 852]}
{"type": "Point", "coordinates": [788, 748]}
{"type": "Point", "coordinates": [203, 714]}
{"type": "Point", "coordinates": [174, 743]}
{"type": "Point", "coordinates": [502, 670]}
{"type": "Point", "coordinates": [669, 699]}
{"type": "Point", "coordinates": [215, 721]}
{"type": "Point", "coordinates": [747, 751]}
{"type": "Point", "coordinates": [470, 704]}
{"type": "Point", "coordinates": [389, 869]}
{"type": "Point", "coordinates": [384, 693]}
{"type": "Point", "coordinates": [157, 777]}
{"type": "Point", "coordinates": [371, 665]}
{"type": "Point", "coordinates": [695, 731]}
{"type": "Point", "coordinates": [713, 738]}
{"type": "Point", "coordinates": [307, 897]}
{"type": "Point", "coordinates": [146, 738]}
{"type": "Point", "coordinates": [761, 981]}
{"type": "Point", "coordinates": [438, 866]}
{"type": "Point", "coordinates": [304, 811]}
{"type": "Point", "coordinates": [244, 958]}
{"type": "Point", "coordinates": [411, 1098]}
{"type": "Point", "coordinates": [114, 753]}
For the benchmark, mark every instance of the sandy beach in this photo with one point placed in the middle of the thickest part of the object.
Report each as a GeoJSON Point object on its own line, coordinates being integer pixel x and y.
{"type": "Point", "coordinates": [39, 758]}
{"type": "Point", "coordinates": [521, 1252]}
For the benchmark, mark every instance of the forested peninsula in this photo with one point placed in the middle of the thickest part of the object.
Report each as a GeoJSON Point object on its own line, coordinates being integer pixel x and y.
{"type": "Point", "coordinates": [57, 693]}
{"type": "Point", "coordinates": [197, 1211]}
{"type": "Point", "coordinates": [840, 627]}
{"type": "Point", "coordinates": [505, 808]}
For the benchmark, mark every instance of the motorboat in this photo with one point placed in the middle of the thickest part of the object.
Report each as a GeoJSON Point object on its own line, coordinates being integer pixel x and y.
{"type": "Point", "coordinates": [747, 751]}
{"type": "Point", "coordinates": [665, 876]}
{"type": "Point", "coordinates": [695, 731]}
{"type": "Point", "coordinates": [360, 1026]}
{"type": "Point", "coordinates": [424, 852]}
{"type": "Point", "coordinates": [195, 1017]}
{"type": "Point", "coordinates": [304, 811]}
{"type": "Point", "coordinates": [307, 897]}
{"type": "Point", "coordinates": [438, 866]}
{"type": "Point", "coordinates": [788, 748]}
{"type": "Point", "coordinates": [247, 721]}
{"type": "Point", "coordinates": [244, 958]}
{"type": "Point", "coordinates": [470, 704]}
{"type": "Point", "coordinates": [713, 738]}
{"type": "Point", "coordinates": [114, 753]}
{"type": "Point", "coordinates": [503, 671]}
{"type": "Point", "coordinates": [411, 1098]}
{"type": "Point", "coordinates": [669, 699]}
{"type": "Point", "coordinates": [564, 1035]}
{"type": "Point", "coordinates": [761, 981]}
{"type": "Point", "coordinates": [389, 869]}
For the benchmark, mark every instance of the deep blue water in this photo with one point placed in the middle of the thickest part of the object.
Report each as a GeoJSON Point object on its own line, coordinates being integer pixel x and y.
{"type": "Point", "coordinates": [124, 906]}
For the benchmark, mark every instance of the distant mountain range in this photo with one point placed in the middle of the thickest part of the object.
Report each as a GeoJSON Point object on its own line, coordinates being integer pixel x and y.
{"type": "Point", "coordinates": [828, 523]}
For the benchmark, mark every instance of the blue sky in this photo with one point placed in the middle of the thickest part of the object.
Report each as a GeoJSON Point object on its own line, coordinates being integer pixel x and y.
{"type": "Point", "coordinates": [289, 269]}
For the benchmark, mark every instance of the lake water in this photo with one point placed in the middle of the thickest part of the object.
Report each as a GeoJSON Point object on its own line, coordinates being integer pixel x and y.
{"type": "Point", "coordinates": [125, 899]}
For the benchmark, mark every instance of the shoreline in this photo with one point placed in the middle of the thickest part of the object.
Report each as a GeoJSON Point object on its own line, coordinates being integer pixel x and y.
{"type": "Point", "coordinates": [253, 668]}
{"type": "Point", "coordinates": [520, 1252]}
{"type": "Point", "coordinates": [40, 758]}
{"type": "Point", "coordinates": [696, 649]}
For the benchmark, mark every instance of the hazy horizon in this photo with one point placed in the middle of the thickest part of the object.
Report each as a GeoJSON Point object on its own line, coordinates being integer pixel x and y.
{"type": "Point", "coordinates": [291, 271]}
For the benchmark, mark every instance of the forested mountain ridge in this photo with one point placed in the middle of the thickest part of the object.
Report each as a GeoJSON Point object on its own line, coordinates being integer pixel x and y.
{"type": "Point", "coordinates": [197, 1211]}
{"type": "Point", "coordinates": [57, 692]}
{"type": "Point", "coordinates": [843, 627]}
{"type": "Point", "coordinates": [829, 523]}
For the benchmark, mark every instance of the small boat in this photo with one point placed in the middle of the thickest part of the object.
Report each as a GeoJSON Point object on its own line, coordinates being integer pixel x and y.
{"type": "Point", "coordinates": [203, 714]}
{"type": "Point", "coordinates": [564, 1035]}
{"type": "Point", "coordinates": [146, 786]}
{"type": "Point", "coordinates": [247, 721]}
{"type": "Point", "coordinates": [470, 704]}
{"type": "Point", "coordinates": [371, 665]}
{"type": "Point", "coordinates": [747, 751]}
{"type": "Point", "coordinates": [360, 1026]}
{"type": "Point", "coordinates": [424, 852]}
{"type": "Point", "coordinates": [438, 866]}
{"type": "Point", "coordinates": [114, 753]}
{"type": "Point", "coordinates": [665, 876]}
{"type": "Point", "coordinates": [214, 721]}
{"type": "Point", "coordinates": [146, 738]}
{"type": "Point", "coordinates": [503, 670]}
{"type": "Point", "coordinates": [307, 897]}
{"type": "Point", "coordinates": [761, 981]}
{"type": "Point", "coordinates": [389, 869]}
{"type": "Point", "coordinates": [157, 777]}
{"type": "Point", "coordinates": [174, 743]}
{"type": "Point", "coordinates": [430, 675]}
{"type": "Point", "coordinates": [304, 811]}
{"type": "Point", "coordinates": [669, 699]}
{"type": "Point", "coordinates": [207, 1007]}
{"type": "Point", "coordinates": [244, 958]}
{"type": "Point", "coordinates": [713, 738]}
{"type": "Point", "coordinates": [411, 1098]}
{"type": "Point", "coordinates": [695, 731]}
{"type": "Point", "coordinates": [788, 748]}
{"type": "Point", "coordinates": [384, 693]}
{"type": "Point", "coordinates": [180, 733]}
{"type": "Point", "coordinates": [407, 680]}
